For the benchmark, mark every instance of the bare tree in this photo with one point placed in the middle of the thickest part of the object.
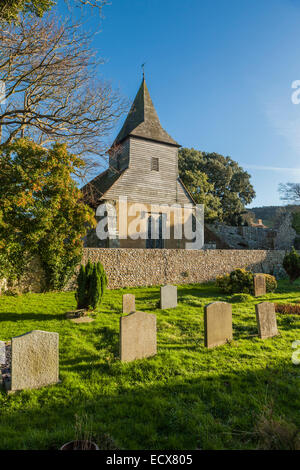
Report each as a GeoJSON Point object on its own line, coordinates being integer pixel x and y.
{"type": "Point", "coordinates": [52, 94]}
{"type": "Point", "coordinates": [290, 192]}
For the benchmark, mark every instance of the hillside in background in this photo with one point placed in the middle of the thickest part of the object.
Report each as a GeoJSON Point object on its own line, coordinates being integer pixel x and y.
{"type": "Point", "coordinates": [269, 214]}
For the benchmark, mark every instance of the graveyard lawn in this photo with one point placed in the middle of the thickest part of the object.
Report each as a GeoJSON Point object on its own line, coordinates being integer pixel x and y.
{"type": "Point", "coordinates": [186, 397]}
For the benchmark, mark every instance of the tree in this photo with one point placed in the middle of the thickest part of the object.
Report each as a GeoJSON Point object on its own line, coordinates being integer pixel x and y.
{"type": "Point", "coordinates": [52, 96]}
{"type": "Point", "coordinates": [290, 192]}
{"type": "Point", "coordinates": [203, 193]}
{"type": "Point", "coordinates": [231, 183]}
{"type": "Point", "coordinates": [10, 10]}
{"type": "Point", "coordinates": [91, 285]}
{"type": "Point", "coordinates": [41, 210]}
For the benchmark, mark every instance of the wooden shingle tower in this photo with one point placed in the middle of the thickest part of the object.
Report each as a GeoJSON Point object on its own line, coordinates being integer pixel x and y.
{"type": "Point", "coordinates": [143, 166]}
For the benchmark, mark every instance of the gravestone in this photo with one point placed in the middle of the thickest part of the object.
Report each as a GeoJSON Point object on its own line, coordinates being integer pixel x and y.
{"type": "Point", "coordinates": [35, 360]}
{"type": "Point", "coordinates": [2, 353]}
{"type": "Point", "coordinates": [259, 285]}
{"type": "Point", "coordinates": [217, 324]}
{"type": "Point", "coordinates": [137, 336]}
{"type": "Point", "coordinates": [128, 303]}
{"type": "Point", "coordinates": [168, 297]}
{"type": "Point", "coordinates": [266, 320]}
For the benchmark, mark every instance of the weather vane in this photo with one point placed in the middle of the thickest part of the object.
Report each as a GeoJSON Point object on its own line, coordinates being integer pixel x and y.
{"type": "Point", "coordinates": [143, 68]}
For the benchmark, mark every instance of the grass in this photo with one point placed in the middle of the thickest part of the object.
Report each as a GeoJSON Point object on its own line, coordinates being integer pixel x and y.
{"type": "Point", "coordinates": [186, 397]}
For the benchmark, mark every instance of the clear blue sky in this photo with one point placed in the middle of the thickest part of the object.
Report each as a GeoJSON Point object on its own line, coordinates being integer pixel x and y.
{"type": "Point", "coordinates": [219, 73]}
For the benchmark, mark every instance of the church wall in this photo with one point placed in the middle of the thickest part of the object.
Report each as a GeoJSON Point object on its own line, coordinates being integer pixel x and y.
{"type": "Point", "coordinates": [140, 183]}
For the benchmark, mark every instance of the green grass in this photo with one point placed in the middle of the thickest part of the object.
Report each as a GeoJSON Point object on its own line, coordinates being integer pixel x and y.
{"type": "Point", "coordinates": [186, 397]}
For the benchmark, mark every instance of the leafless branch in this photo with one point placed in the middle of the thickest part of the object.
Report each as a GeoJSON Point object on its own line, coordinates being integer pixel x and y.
{"type": "Point", "coordinates": [52, 94]}
{"type": "Point", "coordinates": [290, 192]}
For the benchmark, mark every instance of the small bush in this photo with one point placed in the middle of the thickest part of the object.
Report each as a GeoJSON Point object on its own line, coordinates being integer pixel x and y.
{"type": "Point", "coordinates": [271, 283]}
{"type": "Point", "coordinates": [240, 298]}
{"type": "Point", "coordinates": [81, 289]}
{"type": "Point", "coordinates": [91, 285]}
{"type": "Point", "coordinates": [223, 282]}
{"type": "Point", "coordinates": [291, 264]}
{"type": "Point", "coordinates": [288, 309]}
{"type": "Point", "coordinates": [241, 281]}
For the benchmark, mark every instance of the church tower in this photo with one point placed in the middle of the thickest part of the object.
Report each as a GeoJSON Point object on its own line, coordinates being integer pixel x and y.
{"type": "Point", "coordinates": [143, 166]}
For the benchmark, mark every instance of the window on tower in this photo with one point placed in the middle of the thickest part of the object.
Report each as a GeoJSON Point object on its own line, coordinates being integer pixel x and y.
{"type": "Point", "coordinates": [155, 164]}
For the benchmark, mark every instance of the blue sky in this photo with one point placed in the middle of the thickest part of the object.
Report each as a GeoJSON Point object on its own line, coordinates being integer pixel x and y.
{"type": "Point", "coordinates": [220, 75]}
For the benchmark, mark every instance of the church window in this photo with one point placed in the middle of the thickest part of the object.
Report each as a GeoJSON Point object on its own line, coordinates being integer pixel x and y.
{"type": "Point", "coordinates": [155, 164]}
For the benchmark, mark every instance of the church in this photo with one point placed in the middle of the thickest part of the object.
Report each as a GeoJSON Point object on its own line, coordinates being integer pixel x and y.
{"type": "Point", "coordinates": [143, 169]}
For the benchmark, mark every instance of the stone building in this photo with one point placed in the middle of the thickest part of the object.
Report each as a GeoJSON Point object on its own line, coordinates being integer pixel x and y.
{"type": "Point", "coordinates": [143, 169]}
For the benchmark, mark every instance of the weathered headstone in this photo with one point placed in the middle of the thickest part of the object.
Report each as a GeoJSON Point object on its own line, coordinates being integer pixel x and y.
{"type": "Point", "coordinates": [217, 324]}
{"type": "Point", "coordinates": [168, 297]}
{"type": "Point", "coordinates": [259, 285]}
{"type": "Point", "coordinates": [2, 352]}
{"type": "Point", "coordinates": [128, 303]}
{"type": "Point", "coordinates": [137, 336]}
{"type": "Point", "coordinates": [266, 320]}
{"type": "Point", "coordinates": [35, 360]}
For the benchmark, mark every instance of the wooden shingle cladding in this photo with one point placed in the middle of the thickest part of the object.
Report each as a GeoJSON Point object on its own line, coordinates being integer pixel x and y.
{"type": "Point", "coordinates": [143, 166]}
{"type": "Point", "coordinates": [141, 184]}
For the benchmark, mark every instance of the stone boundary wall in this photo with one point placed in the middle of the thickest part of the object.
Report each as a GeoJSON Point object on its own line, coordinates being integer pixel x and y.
{"type": "Point", "coordinates": [127, 267]}
{"type": "Point", "coordinates": [138, 267]}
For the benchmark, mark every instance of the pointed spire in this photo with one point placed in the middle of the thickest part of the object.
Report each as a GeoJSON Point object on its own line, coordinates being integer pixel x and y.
{"type": "Point", "coordinates": [142, 120]}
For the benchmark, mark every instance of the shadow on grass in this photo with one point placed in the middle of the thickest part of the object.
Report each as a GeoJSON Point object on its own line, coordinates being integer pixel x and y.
{"type": "Point", "coordinates": [210, 411]}
{"type": "Point", "coordinates": [13, 316]}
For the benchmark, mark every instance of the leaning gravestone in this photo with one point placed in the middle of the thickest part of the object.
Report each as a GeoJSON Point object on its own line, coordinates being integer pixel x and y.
{"type": "Point", "coordinates": [259, 285]}
{"type": "Point", "coordinates": [168, 297]}
{"type": "Point", "coordinates": [128, 303]}
{"type": "Point", "coordinates": [217, 324]}
{"type": "Point", "coordinates": [266, 320]}
{"type": "Point", "coordinates": [137, 336]}
{"type": "Point", "coordinates": [35, 360]}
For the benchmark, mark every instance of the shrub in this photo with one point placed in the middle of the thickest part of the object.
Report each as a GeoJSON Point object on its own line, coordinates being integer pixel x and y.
{"type": "Point", "coordinates": [240, 298]}
{"type": "Point", "coordinates": [103, 276]}
{"type": "Point", "coordinates": [223, 282]}
{"type": "Point", "coordinates": [91, 285]}
{"type": "Point", "coordinates": [289, 309]}
{"type": "Point", "coordinates": [271, 283]}
{"type": "Point", "coordinates": [81, 289]}
{"type": "Point", "coordinates": [241, 281]}
{"type": "Point", "coordinates": [291, 264]}
{"type": "Point", "coordinates": [95, 288]}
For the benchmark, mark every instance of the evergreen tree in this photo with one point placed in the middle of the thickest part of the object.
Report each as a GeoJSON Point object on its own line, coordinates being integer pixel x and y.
{"type": "Point", "coordinates": [291, 264]}
{"type": "Point", "coordinates": [81, 288]}
{"type": "Point", "coordinates": [95, 288]}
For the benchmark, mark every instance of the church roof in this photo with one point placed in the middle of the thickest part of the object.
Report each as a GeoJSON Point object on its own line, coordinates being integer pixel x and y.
{"type": "Point", "coordinates": [96, 189]}
{"type": "Point", "coordinates": [142, 120]}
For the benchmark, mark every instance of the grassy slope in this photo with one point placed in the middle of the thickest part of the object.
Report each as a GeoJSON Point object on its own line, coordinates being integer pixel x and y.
{"type": "Point", "coordinates": [186, 396]}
